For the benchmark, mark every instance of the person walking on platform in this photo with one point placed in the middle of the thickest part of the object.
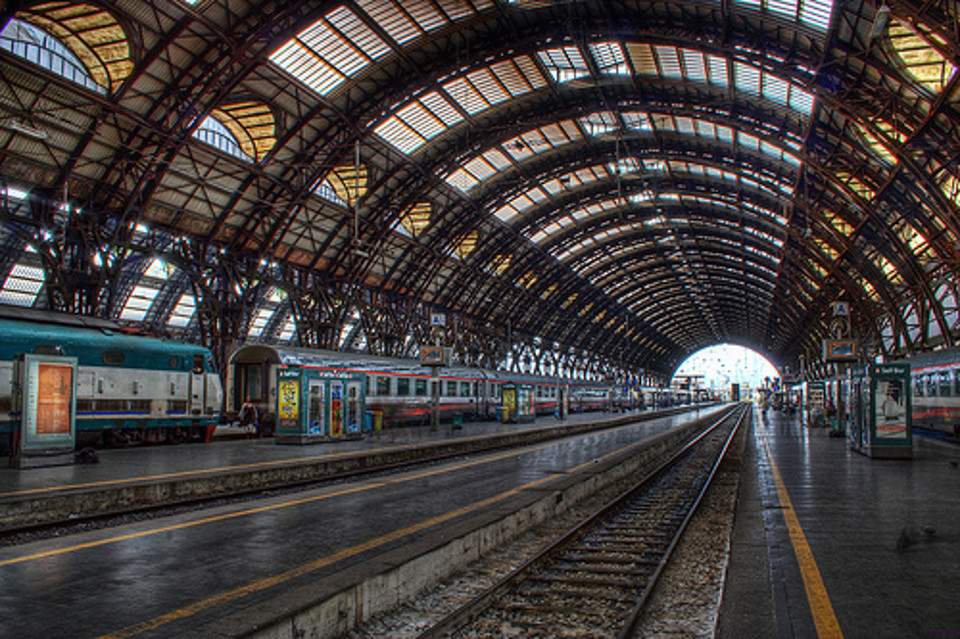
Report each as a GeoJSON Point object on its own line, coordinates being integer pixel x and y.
{"type": "Point", "coordinates": [250, 416]}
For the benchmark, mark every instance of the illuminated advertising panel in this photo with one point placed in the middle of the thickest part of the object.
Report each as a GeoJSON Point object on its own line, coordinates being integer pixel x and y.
{"type": "Point", "coordinates": [49, 402]}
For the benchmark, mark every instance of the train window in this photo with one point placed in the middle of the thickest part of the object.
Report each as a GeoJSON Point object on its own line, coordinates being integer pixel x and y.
{"type": "Point", "coordinates": [945, 385]}
{"type": "Point", "coordinates": [174, 362]}
{"type": "Point", "coordinates": [464, 389]}
{"type": "Point", "coordinates": [918, 386]}
{"type": "Point", "coordinates": [956, 382]}
{"type": "Point", "coordinates": [47, 349]}
{"type": "Point", "coordinates": [451, 389]}
{"type": "Point", "coordinates": [383, 385]}
{"type": "Point", "coordinates": [403, 386]}
{"type": "Point", "coordinates": [114, 358]}
{"type": "Point", "coordinates": [420, 387]}
{"type": "Point", "coordinates": [931, 389]}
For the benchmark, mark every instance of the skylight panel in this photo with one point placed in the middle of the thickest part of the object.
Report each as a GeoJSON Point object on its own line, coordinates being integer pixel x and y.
{"type": "Point", "coordinates": [610, 59]}
{"type": "Point", "coordinates": [775, 89]}
{"type": "Point", "coordinates": [424, 14]}
{"type": "Point", "coordinates": [466, 95]}
{"type": "Point", "coordinates": [747, 78]}
{"type": "Point", "coordinates": [397, 133]}
{"type": "Point", "coordinates": [496, 159]}
{"type": "Point", "coordinates": [564, 64]}
{"type": "Point", "coordinates": [506, 213]}
{"type": "Point", "coordinates": [420, 119]}
{"type": "Point", "coordinates": [718, 70]}
{"type": "Point", "coordinates": [260, 322]}
{"type": "Point", "coordinates": [642, 58]}
{"type": "Point", "coordinates": [289, 330]}
{"type": "Point", "coordinates": [801, 100]}
{"type": "Point", "coordinates": [479, 168]}
{"type": "Point", "coordinates": [139, 302]}
{"type": "Point", "coordinates": [442, 109]}
{"type": "Point", "coordinates": [488, 86]}
{"type": "Point", "coordinates": [183, 312]}
{"type": "Point", "coordinates": [669, 62]}
{"type": "Point", "coordinates": [636, 121]}
{"type": "Point", "coordinates": [22, 286]}
{"type": "Point", "coordinates": [396, 23]}
{"type": "Point", "coordinates": [600, 122]}
{"type": "Point", "coordinates": [336, 47]}
{"type": "Point", "coordinates": [695, 65]}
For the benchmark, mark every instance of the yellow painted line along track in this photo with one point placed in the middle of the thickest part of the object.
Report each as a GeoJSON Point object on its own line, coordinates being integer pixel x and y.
{"type": "Point", "coordinates": [820, 607]}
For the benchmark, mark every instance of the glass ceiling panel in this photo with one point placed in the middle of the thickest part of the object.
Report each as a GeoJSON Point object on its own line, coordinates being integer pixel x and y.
{"type": "Point", "coordinates": [812, 13]}
{"type": "Point", "coordinates": [610, 58]}
{"type": "Point", "coordinates": [22, 285]}
{"type": "Point", "coordinates": [340, 45]}
{"type": "Point", "coordinates": [336, 47]}
{"type": "Point", "coordinates": [564, 64]}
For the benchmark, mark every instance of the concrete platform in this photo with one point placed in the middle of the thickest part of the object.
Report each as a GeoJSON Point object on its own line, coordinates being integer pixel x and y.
{"type": "Point", "coordinates": [313, 562]}
{"type": "Point", "coordinates": [878, 541]}
{"type": "Point", "coordinates": [164, 474]}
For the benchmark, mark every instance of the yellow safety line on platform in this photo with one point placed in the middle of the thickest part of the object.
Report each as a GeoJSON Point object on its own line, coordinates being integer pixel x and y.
{"type": "Point", "coordinates": [286, 504]}
{"type": "Point", "coordinates": [316, 564]}
{"type": "Point", "coordinates": [208, 471]}
{"type": "Point", "coordinates": [820, 606]}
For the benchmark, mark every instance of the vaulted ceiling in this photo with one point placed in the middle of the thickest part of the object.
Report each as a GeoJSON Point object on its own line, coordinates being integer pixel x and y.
{"type": "Point", "coordinates": [641, 179]}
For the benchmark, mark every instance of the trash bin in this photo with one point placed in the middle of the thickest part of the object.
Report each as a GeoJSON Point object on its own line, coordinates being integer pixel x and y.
{"type": "Point", "coordinates": [458, 421]}
{"type": "Point", "coordinates": [368, 421]}
{"type": "Point", "coordinates": [377, 420]}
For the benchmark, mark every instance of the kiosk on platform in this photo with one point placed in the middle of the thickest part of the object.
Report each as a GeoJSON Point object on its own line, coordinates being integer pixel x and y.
{"type": "Point", "coordinates": [317, 406]}
{"type": "Point", "coordinates": [878, 402]}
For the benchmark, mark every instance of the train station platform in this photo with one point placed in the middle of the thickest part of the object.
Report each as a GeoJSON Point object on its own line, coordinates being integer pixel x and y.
{"type": "Point", "coordinates": [146, 476]}
{"type": "Point", "coordinates": [830, 543]}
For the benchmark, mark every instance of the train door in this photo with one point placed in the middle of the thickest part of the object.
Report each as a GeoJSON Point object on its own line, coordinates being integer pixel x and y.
{"type": "Point", "coordinates": [249, 382]}
{"type": "Point", "coordinates": [315, 397]}
{"type": "Point", "coordinates": [198, 387]}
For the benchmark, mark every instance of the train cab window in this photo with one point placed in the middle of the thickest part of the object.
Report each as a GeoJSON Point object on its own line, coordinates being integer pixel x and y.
{"type": "Point", "coordinates": [383, 385]}
{"type": "Point", "coordinates": [403, 386]}
{"type": "Point", "coordinates": [198, 364]}
{"type": "Point", "coordinates": [47, 349]}
{"type": "Point", "coordinates": [945, 385]}
{"type": "Point", "coordinates": [420, 387]}
{"type": "Point", "coordinates": [451, 389]}
{"type": "Point", "coordinates": [465, 389]}
{"type": "Point", "coordinates": [114, 358]}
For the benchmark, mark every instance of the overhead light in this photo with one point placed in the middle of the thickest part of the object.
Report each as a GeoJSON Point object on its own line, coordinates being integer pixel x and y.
{"type": "Point", "coordinates": [26, 129]}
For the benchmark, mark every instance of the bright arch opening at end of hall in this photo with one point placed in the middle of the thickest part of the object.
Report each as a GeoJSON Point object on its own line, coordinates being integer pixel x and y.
{"type": "Point", "coordinates": [725, 370]}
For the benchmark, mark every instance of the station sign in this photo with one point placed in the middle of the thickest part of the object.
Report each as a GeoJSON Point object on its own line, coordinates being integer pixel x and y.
{"type": "Point", "coordinates": [840, 350]}
{"type": "Point", "coordinates": [435, 355]}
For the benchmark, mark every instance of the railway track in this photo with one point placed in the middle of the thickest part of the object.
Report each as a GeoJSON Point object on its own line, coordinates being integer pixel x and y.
{"type": "Point", "coordinates": [595, 580]}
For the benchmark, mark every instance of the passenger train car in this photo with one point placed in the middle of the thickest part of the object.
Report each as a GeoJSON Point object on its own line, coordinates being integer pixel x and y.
{"type": "Point", "coordinates": [129, 388]}
{"type": "Point", "coordinates": [401, 389]}
{"type": "Point", "coordinates": [935, 377]}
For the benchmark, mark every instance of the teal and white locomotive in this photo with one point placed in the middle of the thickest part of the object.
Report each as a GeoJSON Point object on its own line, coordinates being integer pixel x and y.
{"type": "Point", "coordinates": [129, 388]}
